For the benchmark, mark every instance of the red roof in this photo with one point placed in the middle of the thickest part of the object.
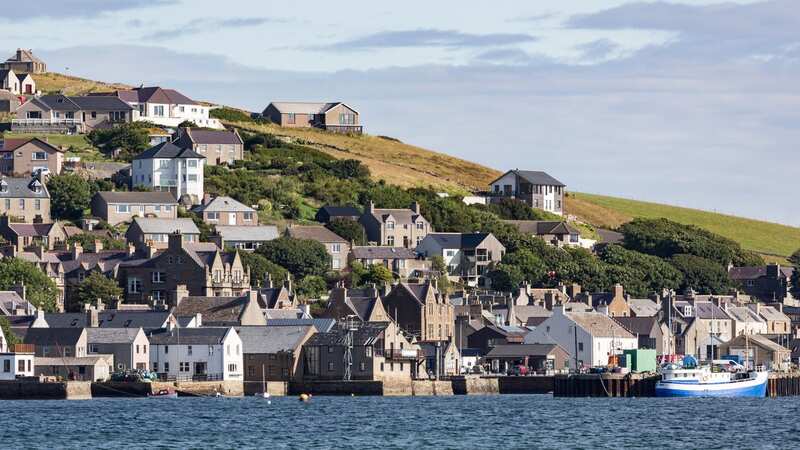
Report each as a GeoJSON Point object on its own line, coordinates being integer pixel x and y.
{"type": "Point", "coordinates": [13, 143]}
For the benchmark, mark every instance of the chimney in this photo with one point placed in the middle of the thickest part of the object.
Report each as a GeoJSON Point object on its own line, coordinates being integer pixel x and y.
{"type": "Point", "coordinates": [415, 207]}
{"type": "Point", "coordinates": [92, 321]}
{"type": "Point", "coordinates": [619, 291]}
{"type": "Point", "coordinates": [372, 291]}
{"type": "Point", "coordinates": [98, 246]}
{"type": "Point", "coordinates": [305, 311]}
{"type": "Point", "coordinates": [549, 300]}
{"type": "Point", "coordinates": [252, 296]}
{"type": "Point", "coordinates": [206, 198]}
{"type": "Point", "coordinates": [268, 281]}
{"type": "Point", "coordinates": [371, 207]}
{"type": "Point", "coordinates": [511, 317]}
{"type": "Point", "coordinates": [38, 250]}
{"type": "Point", "coordinates": [77, 250]}
{"type": "Point", "coordinates": [198, 320]}
{"type": "Point", "coordinates": [131, 249]}
{"type": "Point", "coordinates": [175, 241]}
{"type": "Point", "coordinates": [180, 292]}
{"type": "Point", "coordinates": [151, 249]}
{"type": "Point", "coordinates": [773, 270]}
{"type": "Point", "coordinates": [288, 282]}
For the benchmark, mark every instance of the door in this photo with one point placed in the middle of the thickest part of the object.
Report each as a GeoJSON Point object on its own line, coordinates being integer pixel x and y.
{"type": "Point", "coordinates": [232, 218]}
{"type": "Point", "coordinates": [200, 369]}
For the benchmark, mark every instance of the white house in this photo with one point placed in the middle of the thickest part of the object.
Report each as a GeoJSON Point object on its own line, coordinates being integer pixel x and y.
{"type": "Point", "coordinates": [167, 167]}
{"type": "Point", "coordinates": [167, 107]}
{"type": "Point", "coordinates": [594, 336]}
{"type": "Point", "coordinates": [213, 353]}
{"type": "Point", "coordinates": [15, 362]}
{"type": "Point", "coordinates": [538, 189]}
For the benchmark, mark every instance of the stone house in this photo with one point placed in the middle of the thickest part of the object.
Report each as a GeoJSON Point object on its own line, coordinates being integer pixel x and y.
{"type": "Point", "coordinates": [651, 332]}
{"type": "Point", "coordinates": [467, 256]}
{"type": "Point", "coordinates": [226, 311]}
{"type": "Point", "coordinates": [403, 262]}
{"type": "Point", "coordinates": [86, 368]}
{"type": "Point", "coordinates": [275, 295]}
{"type": "Point", "coordinates": [770, 283]}
{"type": "Point", "coordinates": [24, 199]}
{"type": "Point", "coordinates": [226, 211]}
{"type": "Point", "coordinates": [146, 232]}
{"type": "Point", "coordinates": [202, 267]}
{"type": "Point", "coordinates": [337, 247]}
{"type": "Point", "coordinates": [129, 346]}
{"type": "Point", "coordinates": [117, 207]}
{"type": "Point", "coordinates": [63, 114]}
{"type": "Point", "coordinates": [777, 322]}
{"type": "Point", "coordinates": [613, 304]}
{"type": "Point", "coordinates": [169, 168]}
{"type": "Point", "coordinates": [745, 320]}
{"type": "Point", "coordinates": [21, 157]}
{"type": "Point", "coordinates": [336, 116]}
{"type": "Point", "coordinates": [395, 227]}
{"type": "Point", "coordinates": [537, 189]}
{"type": "Point", "coordinates": [361, 304]}
{"type": "Point", "coordinates": [25, 61]}
{"type": "Point", "coordinates": [218, 146]}
{"type": "Point", "coordinates": [272, 354]}
{"type": "Point", "coordinates": [25, 235]}
{"type": "Point", "coordinates": [199, 354]}
{"type": "Point", "coordinates": [421, 310]}
{"type": "Point", "coordinates": [759, 351]}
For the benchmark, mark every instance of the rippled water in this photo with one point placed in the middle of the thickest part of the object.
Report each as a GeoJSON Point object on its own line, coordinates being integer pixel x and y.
{"type": "Point", "coordinates": [502, 422]}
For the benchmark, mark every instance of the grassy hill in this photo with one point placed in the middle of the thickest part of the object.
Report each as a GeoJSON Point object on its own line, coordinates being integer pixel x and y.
{"type": "Point", "coordinates": [407, 165]}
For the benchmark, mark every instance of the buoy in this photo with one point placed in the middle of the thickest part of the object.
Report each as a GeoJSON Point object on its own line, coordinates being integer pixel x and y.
{"type": "Point", "coordinates": [304, 397]}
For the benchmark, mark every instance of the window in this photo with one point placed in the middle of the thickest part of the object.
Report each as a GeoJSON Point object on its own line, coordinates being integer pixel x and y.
{"type": "Point", "coordinates": [330, 349]}
{"type": "Point", "coordinates": [450, 253]}
{"type": "Point", "coordinates": [228, 349]}
{"type": "Point", "coordinates": [580, 346]}
{"type": "Point", "coordinates": [419, 240]}
{"type": "Point", "coordinates": [390, 225]}
{"type": "Point", "coordinates": [210, 350]}
{"type": "Point", "coordinates": [192, 178]}
{"type": "Point", "coordinates": [8, 204]}
{"type": "Point", "coordinates": [123, 208]}
{"type": "Point", "coordinates": [163, 163]}
{"type": "Point", "coordinates": [158, 111]}
{"type": "Point", "coordinates": [336, 248]}
{"type": "Point", "coordinates": [39, 156]}
{"type": "Point", "coordinates": [166, 366]}
{"type": "Point", "coordinates": [166, 349]}
{"type": "Point", "coordinates": [158, 277]}
{"type": "Point", "coordinates": [290, 118]}
{"type": "Point", "coordinates": [189, 350]}
{"type": "Point", "coordinates": [192, 163]}
{"type": "Point", "coordinates": [232, 367]}
{"type": "Point", "coordinates": [22, 204]}
{"type": "Point", "coordinates": [248, 216]}
{"type": "Point", "coordinates": [155, 366]}
{"type": "Point", "coordinates": [212, 215]}
{"type": "Point", "coordinates": [330, 366]}
{"type": "Point", "coordinates": [37, 204]}
{"type": "Point", "coordinates": [390, 240]}
{"type": "Point", "coordinates": [336, 264]}
{"type": "Point", "coordinates": [7, 365]}
{"type": "Point", "coordinates": [251, 371]}
{"type": "Point", "coordinates": [347, 119]}
{"type": "Point", "coordinates": [420, 226]}
{"type": "Point", "coordinates": [368, 351]}
{"type": "Point", "coordinates": [184, 367]}
{"type": "Point", "coordinates": [362, 366]}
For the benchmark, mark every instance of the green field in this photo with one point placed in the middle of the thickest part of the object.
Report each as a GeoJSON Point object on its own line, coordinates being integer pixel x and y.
{"type": "Point", "coordinates": [77, 141]}
{"type": "Point", "coordinates": [759, 236]}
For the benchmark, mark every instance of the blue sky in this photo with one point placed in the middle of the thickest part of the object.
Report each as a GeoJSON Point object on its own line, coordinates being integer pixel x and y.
{"type": "Point", "coordinates": [693, 103]}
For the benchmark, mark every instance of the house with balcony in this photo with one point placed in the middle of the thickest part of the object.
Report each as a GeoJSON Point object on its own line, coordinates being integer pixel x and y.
{"type": "Point", "coordinates": [402, 262]}
{"type": "Point", "coordinates": [537, 189]}
{"type": "Point", "coordinates": [166, 107]}
{"type": "Point", "coordinates": [197, 354]}
{"type": "Point", "coordinates": [167, 167]}
{"type": "Point", "coordinates": [466, 255]}
{"type": "Point", "coordinates": [336, 116]}
{"type": "Point", "coordinates": [218, 146]}
{"type": "Point", "coordinates": [244, 237]}
{"type": "Point", "coordinates": [556, 233]}
{"type": "Point", "coordinates": [67, 114]}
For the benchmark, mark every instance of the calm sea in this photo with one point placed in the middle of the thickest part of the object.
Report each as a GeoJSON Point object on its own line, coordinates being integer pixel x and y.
{"type": "Point", "coordinates": [497, 422]}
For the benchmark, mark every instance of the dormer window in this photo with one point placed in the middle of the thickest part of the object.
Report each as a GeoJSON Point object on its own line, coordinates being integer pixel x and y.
{"type": "Point", "coordinates": [687, 310]}
{"type": "Point", "coordinates": [390, 225]}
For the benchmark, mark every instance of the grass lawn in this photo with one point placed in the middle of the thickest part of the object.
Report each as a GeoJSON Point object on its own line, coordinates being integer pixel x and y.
{"type": "Point", "coordinates": [77, 141]}
{"type": "Point", "coordinates": [759, 236]}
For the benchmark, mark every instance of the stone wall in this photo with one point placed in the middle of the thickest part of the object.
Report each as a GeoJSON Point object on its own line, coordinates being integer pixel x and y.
{"type": "Point", "coordinates": [431, 387]}
{"type": "Point", "coordinates": [34, 390]}
{"type": "Point", "coordinates": [202, 388]}
{"type": "Point", "coordinates": [357, 387]}
{"type": "Point", "coordinates": [475, 385]}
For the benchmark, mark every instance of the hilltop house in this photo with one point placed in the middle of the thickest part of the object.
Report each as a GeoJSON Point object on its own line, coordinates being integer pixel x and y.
{"type": "Point", "coordinates": [218, 146]}
{"type": "Point", "coordinates": [555, 233]}
{"type": "Point", "coordinates": [395, 227]}
{"type": "Point", "coordinates": [336, 246]}
{"type": "Point", "coordinates": [9, 81]}
{"type": "Point", "coordinates": [24, 199]}
{"type": "Point", "coordinates": [337, 116]}
{"type": "Point", "coordinates": [62, 114]}
{"type": "Point", "coordinates": [466, 255]}
{"type": "Point", "coordinates": [116, 207]}
{"type": "Point", "coordinates": [24, 61]}
{"type": "Point", "coordinates": [537, 189]}
{"type": "Point", "coordinates": [167, 167]}
{"type": "Point", "coordinates": [166, 107]}
{"type": "Point", "coordinates": [21, 157]}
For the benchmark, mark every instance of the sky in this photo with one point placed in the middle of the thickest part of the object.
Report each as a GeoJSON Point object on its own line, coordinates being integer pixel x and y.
{"type": "Point", "coordinates": [691, 103]}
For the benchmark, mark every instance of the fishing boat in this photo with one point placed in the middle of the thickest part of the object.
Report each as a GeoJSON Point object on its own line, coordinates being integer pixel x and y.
{"type": "Point", "coordinates": [720, 378]}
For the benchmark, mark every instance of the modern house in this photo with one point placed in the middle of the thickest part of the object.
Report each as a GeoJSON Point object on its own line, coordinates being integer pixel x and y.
{"type": "Point", "coordinates": [224, 210]}
{"type": "Point", "coordinates": [129, 346]}
{"type": "Point", "coordinates": [152, 232]}
{"type": "Point", "coordinates": [537, 189]}
{"type": "Point", "coordinates": [336, 116]}
{"type": "Point", "coordinates": [167, 167]}
{"type": "Point", "coordinates": [336, 246]}
{"type": "Point", "coordinates": [395, 227]}
{"type": "Point", "coordinates": [244, 237]}
{"type": "Point", "coordinates": [218, 146]}
{"type": "Point", "coordinates": [271, 354]}
{"type": "Point", "coordinates": [329, 212]}
{"type": "Point", "coordinates": [770, 283]}
{"type": "Point", "coordinates": [20, 157]}
{"type": "Point", "coordinates": [63, 114]}
{"type": "Point", "coordinates": [24, 61]}
{"type": "Point", "coordinates": [555, 233]}
{"type": "Point", "coordinates": [116, 207]}
{"type": "Point", "coordinates": [466, 255]}
{"type": "Point", "coordinates": [24, 199]}
{"type": "Point", "coordinates": [202, 267]}
{"type": "Point", "coordinates": [167, 107]}
{"type": "Point", "coordinates": [205, 353]}
{"type": "Point", "coordinates": [402, 262]}
{"type": "Point", "coordinates": [589, 337]}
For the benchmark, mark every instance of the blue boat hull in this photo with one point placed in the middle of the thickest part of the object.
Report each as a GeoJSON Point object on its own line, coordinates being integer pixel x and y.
{"type": "Point", "coordinates": [751, 388]}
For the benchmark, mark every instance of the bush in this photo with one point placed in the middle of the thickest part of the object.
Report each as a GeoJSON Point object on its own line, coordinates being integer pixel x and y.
{"type": "Point", "coordinates": [130, 138]}
{"type": "Point", "coordinates": [348, 229]}
{"type": "Point", "coordinates": [300, 257]}
{"type": "Point", "coordinates": [69, 196]}
{"type": "Point", "coordinates": [41, 290]}
{"type": "Point", "coordinates": [230, 115]}
{"type": "Point", "coordinates": [96, 286]}
{"type": "Point", "coordinates": [702, 275]}
{"type": "Point", "coordinates": [260, 267]}
{"type": "Point", "coordinates": [311, 286]}
{"type": "Point", "coordinates": [87, 241]}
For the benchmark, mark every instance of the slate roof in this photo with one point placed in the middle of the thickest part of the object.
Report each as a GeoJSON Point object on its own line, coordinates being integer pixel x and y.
{"type": "Point", "coordinates": [543, 227]}
{"type": "Point", "coordinates": [10, 301]}
{"type": "Point", "coordinates": [458, 240]}
{"type": "Point", "coordinates": [53, 336]}
{"type": "Point", "coordinates": [153, 225]}
{"type": "Point", "coordinates": [21, 188]}
{"type": "Point", "coordinates": [57, 102]}
{"type": "Point", "coordinates": [757, 339]}
{"type": "Point", "coordinates": [110, 318]}
{"type": "Point", "coordinates": [217, 311]}
{"type": "Point", "coordinates": [263, 340]}
{"type": "Point", "coordinates": [401, 215]}
{"type": "Point", "coordinates": [534, 177]}
{"type": "Point", "coordinates": [247, 232]}
{"type": "Point", "coordinates": [31, 229]}
{"type": "Point", "coordinates": [168, 150]}
{"type": "Point", "coordinates": [315, 233]}
{"type": "Point", "coordinates": [24, 56]}
{"type": "Point", "coordinates": [210, 137]}
{"type": "Point", "coordinates": [341, 211]}
{"type": "Point", "coordinates": [303, 107]}
{"type": "Point", "coordinates": [189, 336]}
{"type": "Point", "coordinates": [708, 310]}
{"type": "Point", "coordinates": [137, 197]}
{"type": "Point", "coordinates": [381, 252]}
{"type": "Point", "coordinates": [521, 350]}
{"type": "Point", "coordinates": [643, 307]}
{"type": "Point", "coordinates": [322, 325]}
{"type": "Point", "coordinates": [771, 313]}
{"type": "Point", "coordinates": [100, 103]}
{"type": "Point", "coordinates": [111, 335]}
{"type": "Point", "coordinates": [598, 325]}
{"type": "Point", "coordinates": [743, 314]}
{"type": "Point", "coordinates": [637, 325]}
{"type": "Point", "coordinates": [224, 204]}
{"type": "Point", "coordinates": [752, 273]}
{"type": "Point", "coordinates": [13, 143]}
{"type": "Point", "coordinates": [155, 94]}
{"type": "Point", "coordinates": [419, 291]}
{"type": "Point", "coordinates": [367, 333]}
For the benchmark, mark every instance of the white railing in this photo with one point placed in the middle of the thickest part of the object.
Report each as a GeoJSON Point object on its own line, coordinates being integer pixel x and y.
{"type": "Point", "coordinates": [41, 122]}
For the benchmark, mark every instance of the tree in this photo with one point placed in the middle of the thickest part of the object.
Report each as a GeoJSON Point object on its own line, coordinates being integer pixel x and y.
{"type": "Point", "coordinates": [795, 258]}
{"type": "Point", "coordinates": [505, 277]}
{"type": "Point", "coordinates": [41, 291]}
{"type": "Point", "coordinates": [440, 268]}
{"type": "Point", "coordinates": [513, 209]}
{"type": "Point", "coordinates": [647, 273]}
{"type": "Point", "coordinates": [69, 196]}
{"type": "Point", "coordinates": [87, 241]}
{"type": "Point", "coordinates": [348, 229]}
{"type": "Point", "coordinates": [260, 267]}
{"type": "Point", "coordinates": [130, 138]}
{"type": "Point", "coordinates": [300, 257]}
{"type": "Point", "coordinates": [5, 328]}
{"type": "Point", "coordinates": [796, 282]}
{"type": "Point", "coordinates": [702, 275]}
{"type": "Point", "coordinates": [311, 286]}
{"type": "Point", "coordinates": [96, 286]}
{"type": "Point", "coordinates": [187, 124]}
{"type": "Point", "coordinates": [378, 274]}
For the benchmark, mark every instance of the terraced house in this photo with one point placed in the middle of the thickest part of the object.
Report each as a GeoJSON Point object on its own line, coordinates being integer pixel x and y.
{"type": "Point", "coordinates": [335, 116]}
